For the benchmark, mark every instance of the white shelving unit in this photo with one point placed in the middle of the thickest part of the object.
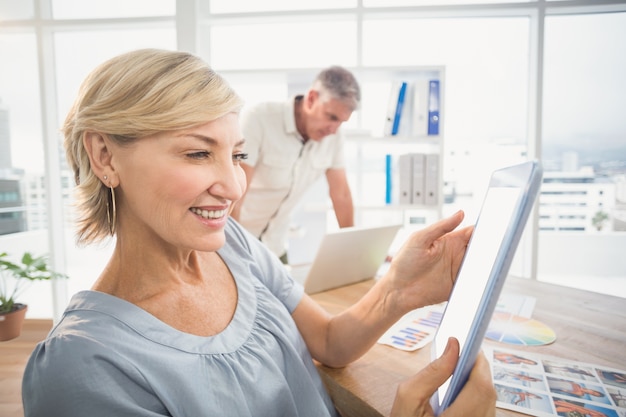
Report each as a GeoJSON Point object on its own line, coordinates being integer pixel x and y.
{"type": "Point", "coordinates": [370, 145]}
{"type": "Point", "coordinates": [367, 175]}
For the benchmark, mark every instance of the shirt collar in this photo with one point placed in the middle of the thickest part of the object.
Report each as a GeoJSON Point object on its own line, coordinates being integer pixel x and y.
{"type": "Point", "coordinates": [290, 118]}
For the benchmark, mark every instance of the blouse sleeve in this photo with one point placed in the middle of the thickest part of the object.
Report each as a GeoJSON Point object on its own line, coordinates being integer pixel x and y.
{"type": "Point", "coordinates": [263, 265]}
{"type": "Point", "coordinates": [75, 376]}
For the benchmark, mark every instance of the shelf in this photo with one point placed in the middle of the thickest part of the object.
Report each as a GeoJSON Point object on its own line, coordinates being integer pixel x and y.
{"type": "Point", "coordinates": [395, 140]}
{"type": "Point", "coordinates": [314, 207]}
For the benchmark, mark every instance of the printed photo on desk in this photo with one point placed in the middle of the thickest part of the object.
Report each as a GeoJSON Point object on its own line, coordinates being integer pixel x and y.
{"type": "Point", "coordinates": [541, 385]}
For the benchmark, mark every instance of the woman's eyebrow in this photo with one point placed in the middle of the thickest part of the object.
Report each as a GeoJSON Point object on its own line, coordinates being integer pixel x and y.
{"type": "Point", "coordinates": [210, 141]}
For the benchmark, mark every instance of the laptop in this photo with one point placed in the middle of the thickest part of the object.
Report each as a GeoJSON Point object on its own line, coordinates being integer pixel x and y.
{"type": "Point", "coordinates": [346, 256]}
{"type": "Point", "coordinates": [506, 207]}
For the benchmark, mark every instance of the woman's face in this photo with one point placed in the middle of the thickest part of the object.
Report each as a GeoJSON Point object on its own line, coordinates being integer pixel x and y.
{"type": "Point", "coordinates": [179, 187]}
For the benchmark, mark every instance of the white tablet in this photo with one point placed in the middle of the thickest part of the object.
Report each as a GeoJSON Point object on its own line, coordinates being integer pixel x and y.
{"type": "Point", "coordinates": [499, 226]}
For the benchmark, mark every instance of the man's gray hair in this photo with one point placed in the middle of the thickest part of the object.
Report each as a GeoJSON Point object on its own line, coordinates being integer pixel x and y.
{"type": "Point", "coordinates": [338, 83]}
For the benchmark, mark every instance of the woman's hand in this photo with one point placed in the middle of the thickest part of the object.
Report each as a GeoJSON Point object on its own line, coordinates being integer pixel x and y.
{"type": "Point", "coordinates": [421, 273]}
{"type": "Point", "coordinates": [424, 269]}
{"type": "Point", "coordinates": [477, 398]}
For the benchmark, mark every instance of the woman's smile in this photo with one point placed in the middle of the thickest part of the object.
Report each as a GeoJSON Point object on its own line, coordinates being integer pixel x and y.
{"type": "Point", "coordinates": [209, 213]}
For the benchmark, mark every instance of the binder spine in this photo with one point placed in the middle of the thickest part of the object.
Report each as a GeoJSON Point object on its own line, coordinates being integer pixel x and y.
{"type": "Point", "coordinates": [419, 178]}
{"type": "Point", "coordinates": [405, 179]}
{"type": "Point", "coordinates": [399, 106]}
{"type": "Point", "coordinates": [388, 176]}
{"type": "Point", "coordinates": [433, 107]}
{"type": "Point", "coordinates": [431, 180]}
{"type": "Point", "coordinates": [420, 108]}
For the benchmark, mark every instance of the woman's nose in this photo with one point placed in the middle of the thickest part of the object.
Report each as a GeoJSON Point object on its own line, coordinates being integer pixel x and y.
{"type": "Point", "coordinates": [231, 182]}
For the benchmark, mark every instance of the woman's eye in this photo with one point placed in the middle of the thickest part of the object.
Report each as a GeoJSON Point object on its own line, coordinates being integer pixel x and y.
{"type": "Point", "coordinates": [238, 157]}
{"type": "Point", "coordinates": [199, 155]}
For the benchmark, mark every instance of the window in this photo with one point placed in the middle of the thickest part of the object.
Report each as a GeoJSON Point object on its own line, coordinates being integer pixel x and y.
{"type": "Point", "coordinates": [16, 10]}
{"type": "Point", "coordinates": [95, 46]}
{"type": "Point", "coordinates": [21, 145]}
{"type": "Point", "coordinates": [583, 150]}
{"type": "Point", "coordinates": [486, 87]}
{"type": "Point", "coordinates": [390, 3]}
{"type": "Point", "coordinates": [248, 6]}
{"type": "Point", "coordinates": [24, 222]}
{"type": "Point", "coordinates": [99, 9]}
{"type": "Point", "coordinates": [306, 44]}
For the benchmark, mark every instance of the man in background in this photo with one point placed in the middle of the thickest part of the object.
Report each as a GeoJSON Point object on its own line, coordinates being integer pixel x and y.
{"type": "Point", "coordinates": [290, 145]}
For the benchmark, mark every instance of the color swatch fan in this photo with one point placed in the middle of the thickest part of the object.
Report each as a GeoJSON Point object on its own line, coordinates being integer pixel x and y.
{"type": "Point", "coordinates": [517, 330]}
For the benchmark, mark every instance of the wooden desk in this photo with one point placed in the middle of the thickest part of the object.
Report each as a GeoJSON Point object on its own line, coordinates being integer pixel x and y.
{"type": "Point", "coordinates": [13, 357]}
{"type": "Point", "coordinates": [590, 328]}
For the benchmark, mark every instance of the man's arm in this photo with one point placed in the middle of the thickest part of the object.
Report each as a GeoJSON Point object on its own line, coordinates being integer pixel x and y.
{"type": "Point", "coordinates": [249, 170]}
{"type": "Point", "coordinates": [340, 195]}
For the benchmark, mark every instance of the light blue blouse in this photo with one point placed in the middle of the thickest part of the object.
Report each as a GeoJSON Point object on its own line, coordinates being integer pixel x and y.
{"type": "Point", "coordinates": [108, 357]}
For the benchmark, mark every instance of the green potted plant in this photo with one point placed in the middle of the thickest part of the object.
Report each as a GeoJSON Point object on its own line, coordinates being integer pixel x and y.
{"type": "Point", "coordinates": [599, 219]}
{"type": "Point", "coordinates": [14, 279]}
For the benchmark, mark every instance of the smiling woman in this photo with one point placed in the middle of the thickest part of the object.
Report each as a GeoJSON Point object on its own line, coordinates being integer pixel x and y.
{"type": "Point", "coordinates": [97, 128]}
{"type": "Point", "coordinates": [154, 142]}
{"type": "Point", "coordinates": [159, 180]}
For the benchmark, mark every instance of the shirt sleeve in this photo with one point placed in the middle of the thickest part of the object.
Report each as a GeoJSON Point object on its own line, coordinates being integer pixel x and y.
{"type": "Point", "coordinates": [75, 376]}
{"type": "Point", "coordinates": [338, 158]}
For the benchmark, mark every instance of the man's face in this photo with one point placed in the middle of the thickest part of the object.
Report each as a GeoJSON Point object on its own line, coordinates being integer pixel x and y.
{"type": "Point", "coordinates": [323, 117]}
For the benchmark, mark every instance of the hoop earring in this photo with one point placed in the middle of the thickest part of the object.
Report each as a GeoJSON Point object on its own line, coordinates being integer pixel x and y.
{"type": "Point", "coordinates": [111, 211]}
{"type": "Point", "coordinates": [113, 221]}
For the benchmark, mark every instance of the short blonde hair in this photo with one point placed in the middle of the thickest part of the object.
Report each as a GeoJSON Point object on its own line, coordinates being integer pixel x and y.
{"type": "Point", "coordinates": [130, 96]}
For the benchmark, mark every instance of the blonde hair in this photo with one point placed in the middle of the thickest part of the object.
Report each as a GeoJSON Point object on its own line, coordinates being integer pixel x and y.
{"type": "Point", "coordinates": [130, 96]}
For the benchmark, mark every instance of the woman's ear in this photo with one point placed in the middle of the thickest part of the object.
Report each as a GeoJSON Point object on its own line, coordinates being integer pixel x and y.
{"type": "Point", "coordinates": [99, 152]}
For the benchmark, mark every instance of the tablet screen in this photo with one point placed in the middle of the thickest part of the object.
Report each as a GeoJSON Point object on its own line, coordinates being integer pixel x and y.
{"type": "Point", "coordinates": [498, 228]}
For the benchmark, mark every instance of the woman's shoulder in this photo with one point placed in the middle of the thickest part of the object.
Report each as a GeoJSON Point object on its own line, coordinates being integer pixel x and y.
{"type": "Point", "coordinates": [74, 340]}
{"type": "Point", "coordinates": [248, 256]}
